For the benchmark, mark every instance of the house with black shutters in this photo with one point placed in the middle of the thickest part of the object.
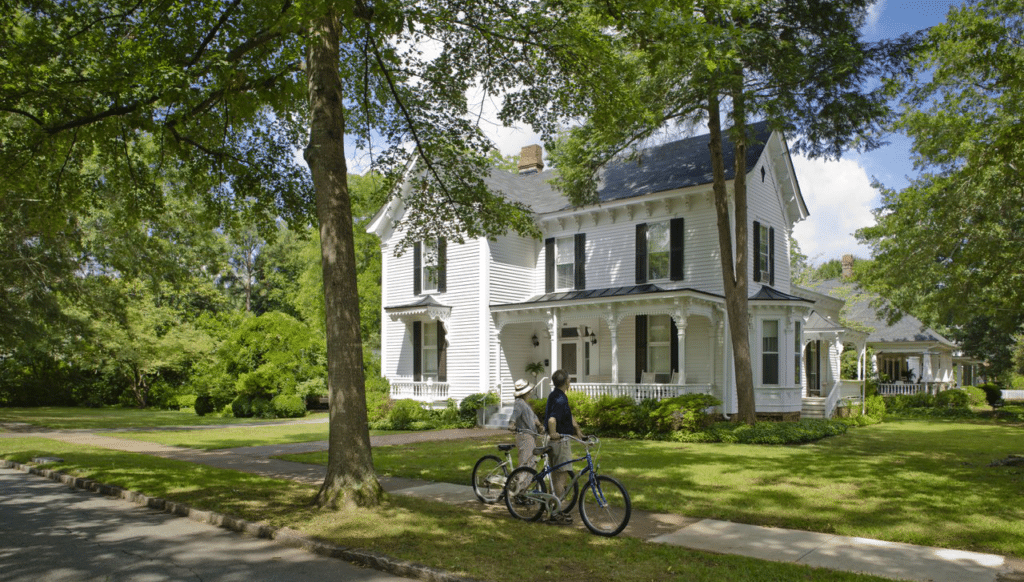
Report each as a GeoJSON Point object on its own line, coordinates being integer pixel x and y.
{"type": "Point", "coordinates": [626, 295]}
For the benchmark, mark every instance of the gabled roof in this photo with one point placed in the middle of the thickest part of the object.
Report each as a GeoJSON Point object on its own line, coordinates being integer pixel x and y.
{"type": "Point", "coordinates": [670, 166]}
{"type": "Point", "coordinates": [605, 293]}
{"type": "Point", "coordinates": [674, 165]}
{"type": "Point", "coordinates": [858, 309]}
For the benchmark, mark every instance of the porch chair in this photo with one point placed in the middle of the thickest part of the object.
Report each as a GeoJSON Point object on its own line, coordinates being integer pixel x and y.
{"type": "Point", "coordinates": [647, 377]}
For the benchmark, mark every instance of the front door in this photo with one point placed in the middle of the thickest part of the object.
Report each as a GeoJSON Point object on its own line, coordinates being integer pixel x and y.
{"type": "Point", "coordinates": [570, 358]}
{"type": "Point", "coordinates": [813, 364]}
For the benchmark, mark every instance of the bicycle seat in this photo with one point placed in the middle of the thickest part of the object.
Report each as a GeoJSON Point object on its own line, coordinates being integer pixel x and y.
{"type": "Point", "coordinates": [542, 450]}
{"type": "Point", "coordinates": [506, 448]}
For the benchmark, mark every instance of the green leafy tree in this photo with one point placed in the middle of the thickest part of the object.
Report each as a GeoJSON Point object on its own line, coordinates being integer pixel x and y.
{"type": "Point", "coordinates": [948, 246]}
{"type": "Point", "coordinates": [226, 92]}
{"type": "Point", "coordinates": [799, 65]}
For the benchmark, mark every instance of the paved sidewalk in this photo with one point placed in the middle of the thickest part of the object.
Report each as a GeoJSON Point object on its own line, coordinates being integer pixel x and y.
{"type": "Point", "coordinates": [880, 558]}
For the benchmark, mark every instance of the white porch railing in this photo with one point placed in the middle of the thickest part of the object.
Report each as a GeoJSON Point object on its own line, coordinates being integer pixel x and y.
{"type": "Point", "coordinates": [639, 392]}
{"type": "Point", "coordinates": [903, 389]}
{"type": "Point", "coordinates": [833, 399]}
{"type": "Point", "coordinates": [424, 391]}
{"type": "Point", "coordinates": [782, 399]}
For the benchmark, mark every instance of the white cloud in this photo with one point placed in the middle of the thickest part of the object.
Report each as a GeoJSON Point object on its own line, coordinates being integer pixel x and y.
{"type": "Point", "coordinates": [874, 14]}
{"type": "Point", "coordinates": [839, 198]}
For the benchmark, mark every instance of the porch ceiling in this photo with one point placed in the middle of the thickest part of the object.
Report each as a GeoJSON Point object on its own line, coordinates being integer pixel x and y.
{"type": "Point", "coordinates": [610, 295]}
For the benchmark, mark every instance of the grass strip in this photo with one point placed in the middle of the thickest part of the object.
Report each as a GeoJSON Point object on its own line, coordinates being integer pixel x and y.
{"type": "Point", "coordinates": [238, 436]}
{"type": "Point", "coordinates": [115, 417]}
{"type": "Point", "coordinates": [462, 540]}
{"type": "Point", "coordinates": [920, 482]}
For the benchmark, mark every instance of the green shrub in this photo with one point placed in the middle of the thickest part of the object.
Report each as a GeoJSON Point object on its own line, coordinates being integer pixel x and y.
{"type": "Point", "coordinates": [975, 395]}
{"type": "Point", "coordinates": [993, 394]}
{"type": "Point", "coordinates": [261, 408]}
{"type": "Point", "coordinates": [186, 400]}
{"type": "Point", "coordinates": [288, 406]}
{"type": "Point", "coordinates": [684, 413]}
{"type": "Point", "coordinates": [378, 398]}
{"type": "Point", "coordinates": [241, 406]}
{"type": "Point", "coordinates": [952, 399]}
{"type": "Point", "coordinates": [404, 413]}
{"type": "Point", "coordinates": [583, 409]}
{"type": "Point", "coordinates": [905, 402]}
{"type": "Point", "coordinates": [539, 406]}
{"type": "Point", "coordinates": [204, 404]}
{"type": "Point", "coordinates": [474, 402]}
{"type": "Point", "coordinates": [613, 416]}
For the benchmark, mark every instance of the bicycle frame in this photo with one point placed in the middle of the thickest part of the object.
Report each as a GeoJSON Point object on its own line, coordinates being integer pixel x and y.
{"type": "Point", "coordinates": [553, 502]}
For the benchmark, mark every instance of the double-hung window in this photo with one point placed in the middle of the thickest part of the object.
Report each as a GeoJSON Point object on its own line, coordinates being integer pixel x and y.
{"type": "Point", "coordinates": [565, 263]}
{"type": "Point", "coordinates": [660, 249]}
{"type": "Point", "coordinates": [659, 344]}
{"type": "Point", "coordinates": [429, 259]}
{"type": "Point", "coordinates": [770, 352]}
{"type": "Point", "coordinates": [430, 350]}
{"type": "Point", "coordinates": [764, 253]}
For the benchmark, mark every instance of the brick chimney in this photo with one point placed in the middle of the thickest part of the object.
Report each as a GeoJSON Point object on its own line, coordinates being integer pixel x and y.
{"type": "Point", "coordinates": [531, 159]}
{"type": "Point", "coordinates": [847, 266]}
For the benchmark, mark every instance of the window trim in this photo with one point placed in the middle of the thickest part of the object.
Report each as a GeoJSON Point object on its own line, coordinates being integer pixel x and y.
{"type": "Point", "coordinates": [769, 358]}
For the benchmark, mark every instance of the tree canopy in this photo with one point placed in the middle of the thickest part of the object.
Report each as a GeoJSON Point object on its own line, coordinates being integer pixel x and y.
{"type": "Point", "coordinates": [948, 247]}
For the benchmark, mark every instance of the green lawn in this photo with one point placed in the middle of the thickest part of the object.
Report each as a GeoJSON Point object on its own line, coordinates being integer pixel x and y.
{"type": "Point", "coordinates": [455, 539]}
{"type": "Point", "coordinates": [112, 417]}
{"type": "Point", "coordinates": [920, 482]}
{"type": "Point", "coordinates": [240, 436]}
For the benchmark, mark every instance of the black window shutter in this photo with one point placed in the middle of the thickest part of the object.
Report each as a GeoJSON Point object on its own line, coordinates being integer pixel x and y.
{"type": "Point", "coordinates": [771, 256]}
{"type": "Point", "coordinates": [442, 266]}
{"type": "Point", "coordinates": [417, 353]}
{"type": "Point", "coordinates": [677, 244]}
{"type": "Point", "coordinates": [674, 356]}
{"type": "Point", "coordinates": [549, 265]}
{"type": "Point", "coordinates": [581, 261]}
{"type": "Point", "coordinates": [442, 354]}
{"type": "Point", "coordinates": [757, 251]}
{"type": "Point", "coordinates": [417, 268]}
{"type": "Point", "coordinates": [641, 346]}
{"type": "Point", "coordinates": [641, 254]}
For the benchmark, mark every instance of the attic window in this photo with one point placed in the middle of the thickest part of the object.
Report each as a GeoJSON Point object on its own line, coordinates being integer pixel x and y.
{"type": "Point", "coordinates": [762, 173]}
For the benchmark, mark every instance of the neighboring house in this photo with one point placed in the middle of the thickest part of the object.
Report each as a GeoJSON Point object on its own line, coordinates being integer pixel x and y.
{"type": "Point", "coordinates": [909, 357]}
{"type": "Point", "coordinates": [626, 295]}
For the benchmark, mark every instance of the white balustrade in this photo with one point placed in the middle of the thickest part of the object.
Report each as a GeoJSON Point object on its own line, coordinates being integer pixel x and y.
{"type": "Point", "coordinates": [639, 392]}
{"type": "Point", "coordinates": [423, 391]}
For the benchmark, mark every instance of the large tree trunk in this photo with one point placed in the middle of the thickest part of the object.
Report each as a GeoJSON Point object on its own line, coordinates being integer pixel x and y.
{"type": "Point", "coordinates": [350, 477]}
{"type": "Point", "coordinates": [734, 272]}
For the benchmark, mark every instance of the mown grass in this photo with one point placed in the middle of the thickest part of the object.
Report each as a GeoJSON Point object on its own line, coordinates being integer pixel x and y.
{"type": "Point", "coordinates": [115, 417]}
{"type": "Point", "coordinates": [240, 436]}
{"type": "Point", "coordinates": [920, 482]}
{"type": "Point", "coordinates": [467, 541]}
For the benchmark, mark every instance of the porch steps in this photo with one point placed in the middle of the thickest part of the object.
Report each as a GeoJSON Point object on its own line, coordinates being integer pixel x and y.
{"type": "Point", "coordinates": [812, 407]}
{"type": "Point", "coordinates": [499, 420]}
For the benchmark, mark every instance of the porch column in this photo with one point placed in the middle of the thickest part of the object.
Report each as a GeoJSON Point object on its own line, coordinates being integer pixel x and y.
{"type": "Point", "coordinates": [553, 325]}
{"type": "Point", "coordinates": [715, 332]}
{"type": "Point", "coordinates": [613, 332]}
{"type": "Point", "coordinates": [496, 342]}
{"type": "Point", "coordinates": [681, 347]}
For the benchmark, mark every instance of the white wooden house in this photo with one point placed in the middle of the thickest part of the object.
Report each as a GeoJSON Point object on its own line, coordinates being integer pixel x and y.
{"type": "Point", "coordinates": [625, 295]}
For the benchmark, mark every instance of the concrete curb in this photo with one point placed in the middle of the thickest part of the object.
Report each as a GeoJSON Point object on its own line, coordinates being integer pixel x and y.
{"type": "Point", "coordinates": [284, 536]}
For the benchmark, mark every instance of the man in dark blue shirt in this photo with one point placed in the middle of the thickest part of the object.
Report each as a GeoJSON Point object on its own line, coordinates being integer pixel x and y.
{"type": "Point", "coordinates": [559, 420]}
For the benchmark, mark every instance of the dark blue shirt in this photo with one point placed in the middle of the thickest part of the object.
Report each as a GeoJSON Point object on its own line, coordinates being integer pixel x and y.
{"type": "Point", "coordinates": [558, 407]}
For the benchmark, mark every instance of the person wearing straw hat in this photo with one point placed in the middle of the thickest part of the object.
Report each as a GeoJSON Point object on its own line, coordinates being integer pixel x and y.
{"type": "Point", "coordinates": [523, 419]}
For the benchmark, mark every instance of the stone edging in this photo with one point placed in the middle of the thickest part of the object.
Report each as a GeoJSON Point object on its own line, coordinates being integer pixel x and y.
{"type": "Point", "coordinates": [284, 535]}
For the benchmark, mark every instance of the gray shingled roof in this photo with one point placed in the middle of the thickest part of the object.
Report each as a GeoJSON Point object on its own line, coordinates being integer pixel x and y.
{"type": "Point", "coordinates": [679, 164]}
{"type": "Point", "coordinates": [858, 309]}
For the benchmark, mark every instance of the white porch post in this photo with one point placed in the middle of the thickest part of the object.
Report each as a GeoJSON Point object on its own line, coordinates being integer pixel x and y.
{"type": "Point", "coordinates": [613, 332]}
{"type": "Point", "coordinates": [553, 326]}
{"type": "Point", "coordinates": [681, 347]}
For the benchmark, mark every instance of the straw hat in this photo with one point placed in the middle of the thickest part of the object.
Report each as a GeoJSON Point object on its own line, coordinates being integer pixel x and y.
{"type": "Point", "coordinates": [523, 388]}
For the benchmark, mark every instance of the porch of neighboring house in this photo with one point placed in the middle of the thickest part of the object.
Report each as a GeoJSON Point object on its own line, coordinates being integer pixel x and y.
{"type": "Point", "coordinates": [907, 373]}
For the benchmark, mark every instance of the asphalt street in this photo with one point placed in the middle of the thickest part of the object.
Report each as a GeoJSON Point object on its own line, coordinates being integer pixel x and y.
{"type": "Point", "coordinates": [49, 532]}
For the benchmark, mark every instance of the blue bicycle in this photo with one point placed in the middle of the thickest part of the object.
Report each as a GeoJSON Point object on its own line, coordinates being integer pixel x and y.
{"type": "Point", "coordinates": [603, 504]}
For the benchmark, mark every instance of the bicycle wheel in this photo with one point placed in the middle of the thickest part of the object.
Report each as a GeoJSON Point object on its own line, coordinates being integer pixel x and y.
{"type": "Point", "coordinates": [489, 476]}
{"type": "Point", "coordinates": [522, 481]}
{"type": "Point", "coordinates": [605, 506]}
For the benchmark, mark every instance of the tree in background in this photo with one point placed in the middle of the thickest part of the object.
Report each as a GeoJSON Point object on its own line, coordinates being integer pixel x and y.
{"type": "Point", "coordinates": [799, 65]}
{"type": "Point", "coordinates": [948, 247]}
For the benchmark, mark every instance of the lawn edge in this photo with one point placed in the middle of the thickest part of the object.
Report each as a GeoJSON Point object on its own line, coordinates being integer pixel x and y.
{"type": "Point", "coordinates": [283, 535]}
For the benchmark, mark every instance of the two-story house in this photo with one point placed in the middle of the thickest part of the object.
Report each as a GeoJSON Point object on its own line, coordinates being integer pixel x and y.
{"type": "Point", "coordinates": [626, 295]}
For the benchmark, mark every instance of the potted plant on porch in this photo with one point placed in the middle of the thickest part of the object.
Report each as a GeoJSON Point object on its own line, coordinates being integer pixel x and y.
{"type": "Point", "coordinates": [535, 368]}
